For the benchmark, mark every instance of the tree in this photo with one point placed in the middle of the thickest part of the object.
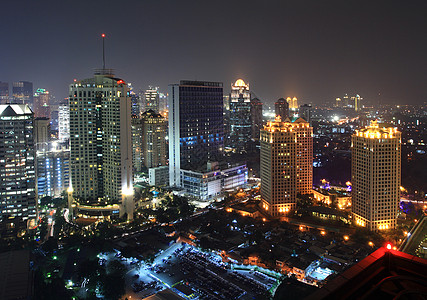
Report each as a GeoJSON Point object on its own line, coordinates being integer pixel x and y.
{"type": "Point", "coordinates": [113, 286]}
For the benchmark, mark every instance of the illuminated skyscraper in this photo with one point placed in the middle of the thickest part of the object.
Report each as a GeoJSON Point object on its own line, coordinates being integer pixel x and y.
{"type": "Point", "coordinates": [281, 108]}
{"type": "Point", "coordinates": [152, 98]}
{"type": "Point", "coordinates": [41, 104]}
{"type": "Point", "coordinates": [4, 92]}
{"type": "Point", "coordinates": [101, 149]}
{"type": "Point", "coordinates": [293, 103]}
{"type": "Point", "coordinates": [41, 133]}
{"type": "Point", "coordinates": [154, 143]}
{"type": "Point", "coordinates": [240, 116]}
{"type": "Point", "coordinates": [135, 101]}
{"type": "Point", "coordinates": [256, 118]}
{"type": "Point", "coordinates": [22, 93]}
{"type": "Point", "coordinates": [196, 126]}
{"type": "Point", "coordinates": [356, 102]}
{"type": "Point", "coordinates": [376, 175]}
{"type": "Point", "coordinates": [286, 164]}
{"type": "Point", "coordinates": [137, 140]}
{"type": "Point", "coordinates": [63, 122]}
{"type": "Point", "coordinates": [53, 170]}
{"type": "Point", "coordinates": [17, 162]}
{"type": "Point", "coordinates": [305, 112]}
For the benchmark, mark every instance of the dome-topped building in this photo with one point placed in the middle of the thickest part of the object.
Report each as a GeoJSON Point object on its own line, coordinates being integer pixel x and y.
{"type": "Point", "coordinates": [240, 116]}
{"type": "Point", "coordinates": [240, 84]}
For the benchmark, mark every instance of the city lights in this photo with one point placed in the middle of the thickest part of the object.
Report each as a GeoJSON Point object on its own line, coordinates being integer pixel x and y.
{"type": "Point", "coordinates": [186, 157]}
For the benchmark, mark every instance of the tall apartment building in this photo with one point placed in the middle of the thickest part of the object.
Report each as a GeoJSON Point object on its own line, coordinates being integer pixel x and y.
{"type": "Point", "coordinates": [17, 160]}
{"type": "Point", "coordinates": [53, 171]}
{"type": "Point", "coordinates": [137, 140]}
{"type": "Point", "coordinates": [22, 93]}
{"type": "Point", "coordinates": [256, 118]}
{"type": "Point", "coordinates": [281, 108]}
{"type": "Point", "coordinates": [41, 104]}
{"type": "Point", "coordinates": [152, 98]}
{"type": "Point", "coordinates": [240, 116]}
{"type": "Point", "coordinates": [63, 122]}
{"type": "Point", "coordinates": [154, 143]}
{"type": "Point", "coordinates": [4, 92]}
{"type": "Point", "coordinates": [286, 164]}
{"type": "Point", "coordinates": [100, 140]}
{"type": "Point", "coordinates": [196, 126]}
{"type": "Point", "coordinates": [135, 101]}
{"type": "Point", "coordinates": [376, 176]}
{"type": "Point", "coordinates": [41, 133]}
{"type": "Point", "coordinates": [305, 112]}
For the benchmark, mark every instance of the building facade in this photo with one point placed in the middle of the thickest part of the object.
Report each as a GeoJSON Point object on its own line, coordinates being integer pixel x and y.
{"type": "Point", "coordinates": [53, 171]}
{"type": "Point", "coordinates": [376, 176]}
{"type": "Point", "coordinates": [305, 112]}
{"type": "Point", "coordinates": [152, 98]}
{"type": "Point", "coordinates": [293, 103]}
{"type": "Point", "coordinates": [158, 176]}
{"type": "Point", "coordinates": [196, 127]}
{"type": "Point", "coordinates": [209, 185]}
{"type": "Point", "coordinates": [41, 133]}
{"type": "Point", "coordinates": [154, 144]}
{"type": "Point", "coordinates": [17, 162]}
{"type": "Point", "coordinates": [286, 164]}
{"type": "Point", "coordinates": [256, 118]}
{"type": "Point", "coordinates": [100, 140]}
{"type": "Point", "coordinates": [63, 122]}
{"type": "Point", "coordinates": [4, 92]}
{"type": "Point", "coordinates": [137, 140]}
{"type": "Point", "coordinates": [41, 104]}
{"type": "Point", "coordinates": [240, 116]}
{"type": "Point", "coordinates": [22, 93]}
{"type": "Point", "coordinates": [281, 108]}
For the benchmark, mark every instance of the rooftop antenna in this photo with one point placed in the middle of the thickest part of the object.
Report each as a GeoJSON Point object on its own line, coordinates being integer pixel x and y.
{"type": "Point", "coordinates": [103, 50]}
{"type": "Point", "coordinates": [104, 71]}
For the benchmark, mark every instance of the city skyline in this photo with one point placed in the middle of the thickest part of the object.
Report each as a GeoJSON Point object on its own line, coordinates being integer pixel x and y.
{"type": "Point", "coordinates": [314, 51]}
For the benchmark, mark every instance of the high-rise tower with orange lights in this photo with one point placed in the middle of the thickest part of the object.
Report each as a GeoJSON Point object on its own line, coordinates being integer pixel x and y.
{"type": "Point", "coordinates": [375, 173]}
{"type": "Point", "coordinates": [286, 164]}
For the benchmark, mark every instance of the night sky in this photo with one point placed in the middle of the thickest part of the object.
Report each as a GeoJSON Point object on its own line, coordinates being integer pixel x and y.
{"type": "Point", "coordinates": [315, 50]}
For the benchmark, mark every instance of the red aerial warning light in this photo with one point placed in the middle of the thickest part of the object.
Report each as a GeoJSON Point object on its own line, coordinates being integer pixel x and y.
{"type": "Point", "coordinates": [120, 82]}
{"type": "Point", "coordinates": [103, 35]}
{"type": "Point", "coordinates": [388, 246]}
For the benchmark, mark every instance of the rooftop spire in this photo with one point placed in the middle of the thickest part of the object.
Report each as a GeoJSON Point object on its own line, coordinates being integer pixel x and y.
{"type": "Point", "coordinates": [103, 50]}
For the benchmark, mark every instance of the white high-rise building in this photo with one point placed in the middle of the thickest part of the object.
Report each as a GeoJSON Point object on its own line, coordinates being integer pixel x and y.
{"type": "Point", "coordinates": [152, 98]}
{"type": "Point", "coordinates": [375, 173]}
{"type": "Point", "coordinates": [101, 146]}
{"type": "Point", "coordinates": [63, 123]}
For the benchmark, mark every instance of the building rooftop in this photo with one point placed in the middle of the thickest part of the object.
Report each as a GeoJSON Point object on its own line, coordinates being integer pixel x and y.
{"type": "Point", "coordinates": [385, 274]}
{"type": "Point", "coordinates": [285, 125]}
{"type": "Point", "coordinates": [377, 130]}
{"type": "Point", "coordinates": [9, 110]}
{"type": "Point", "coordinates": [151, 114]}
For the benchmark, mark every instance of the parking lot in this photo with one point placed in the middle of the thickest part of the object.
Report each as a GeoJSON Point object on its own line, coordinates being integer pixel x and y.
{"type": "Point", "coordinates": [190, 271]}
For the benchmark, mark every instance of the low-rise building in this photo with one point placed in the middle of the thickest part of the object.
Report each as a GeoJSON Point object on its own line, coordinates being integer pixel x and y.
{"type": "Point", "coordinates": [158, 176]}
{"type": "Point", "coordinates": [208, 185]}
{"type": "Point", "coordinates": [342, 200]}
{"type": "Point", "coordinates": [328, 213]}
